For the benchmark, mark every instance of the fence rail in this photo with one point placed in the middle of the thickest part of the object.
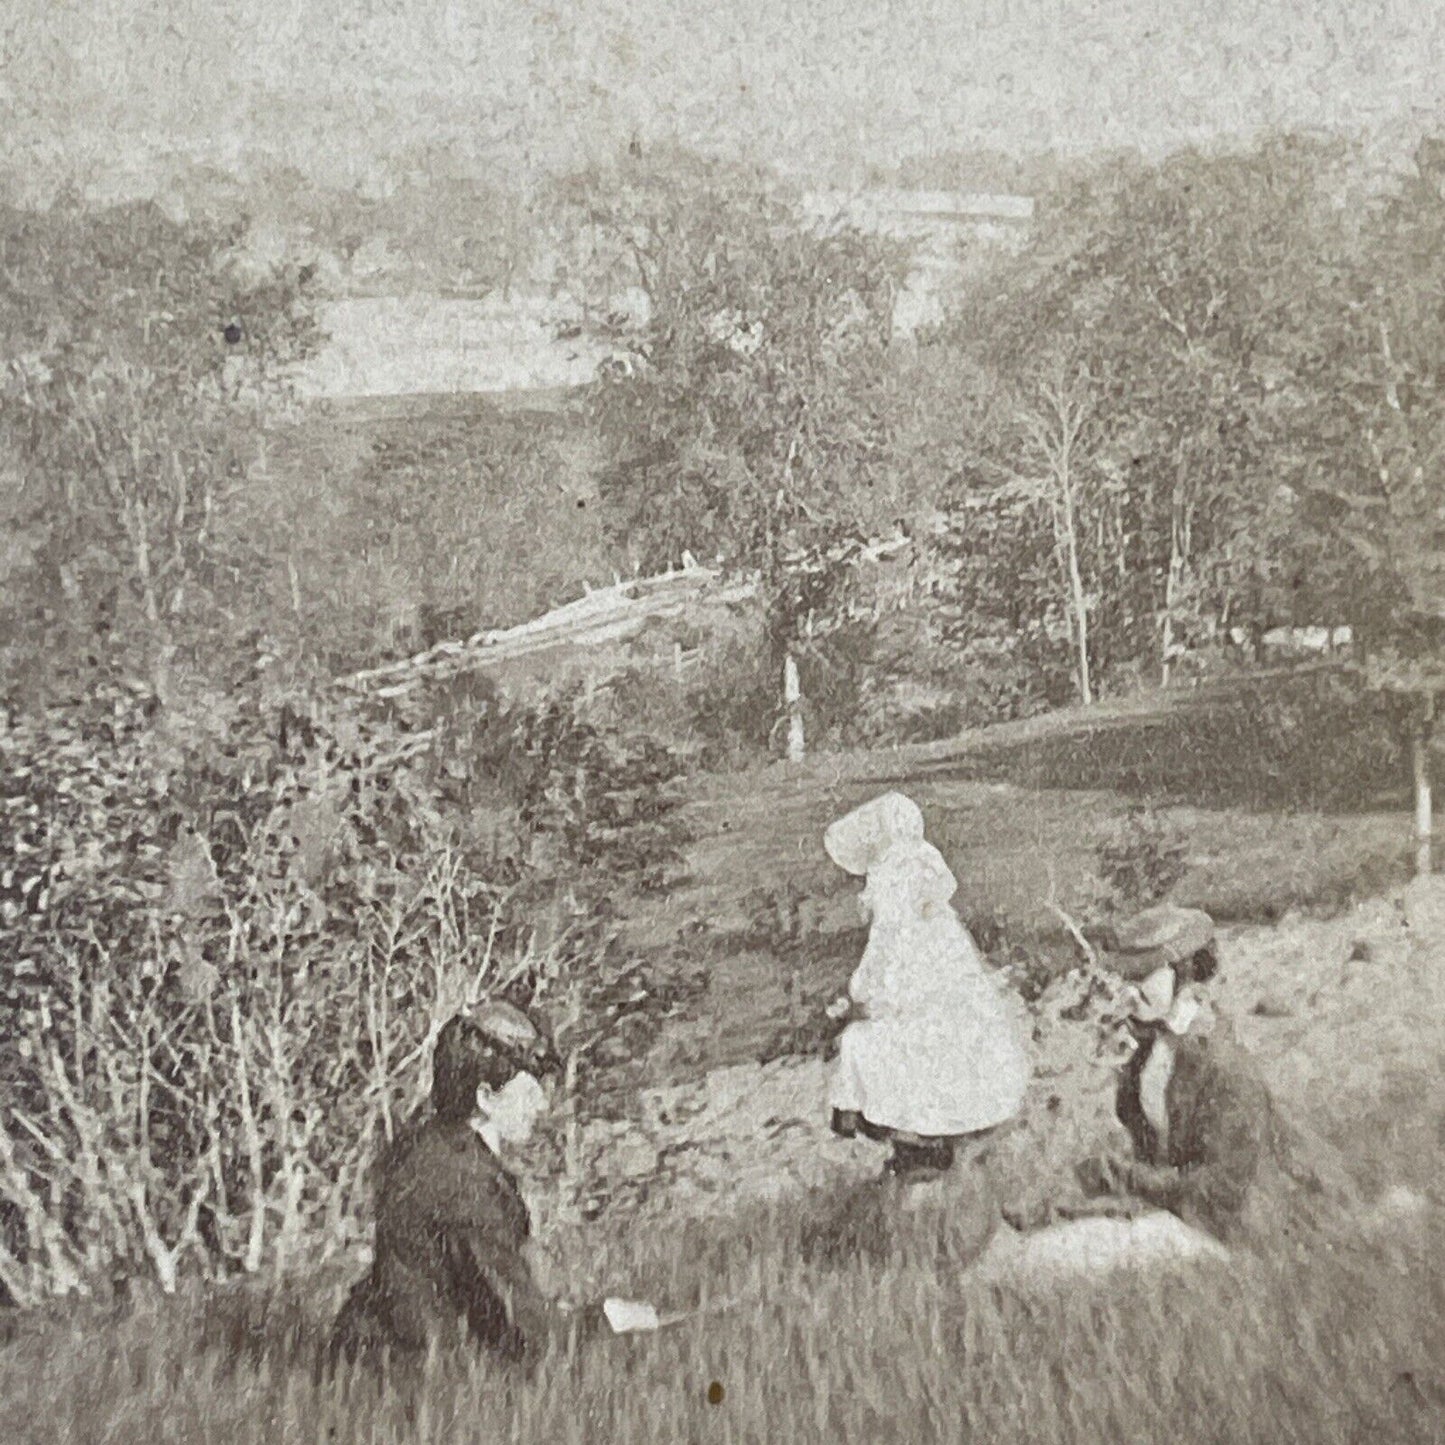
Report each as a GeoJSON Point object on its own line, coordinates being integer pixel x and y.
{"type": "Point", "coordinates": [604, 618]}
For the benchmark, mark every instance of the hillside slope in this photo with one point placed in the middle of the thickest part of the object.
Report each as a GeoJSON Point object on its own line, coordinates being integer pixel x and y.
{"type": "Point", "coordinates": [1294, 804]}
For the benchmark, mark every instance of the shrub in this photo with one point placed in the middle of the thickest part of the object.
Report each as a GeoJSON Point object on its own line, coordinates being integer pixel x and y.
{"type": "Point", "coordinates": [1142, 860]}
{"type": "Point", "coordinates": [232, 927]}
{"type": "Point", "coordinates": [233, 911]}
{"type": "Point", "coordinates": [607, 799]}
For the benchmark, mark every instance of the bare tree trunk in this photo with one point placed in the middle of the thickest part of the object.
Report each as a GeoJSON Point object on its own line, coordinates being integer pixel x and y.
{"type": "Point", "coordinates": [1424, 800]}
{"type": "Point", "coordinates": [1178, 561]}
{"type": "Point", "coordinates": [1081, 611]}
{"type": "Point", "coordinates": [1057, 426]}
{"type": "Point", "coordinates": [294, 578]}
{"type": "Point", "coordinates": [1068, 523]}
{"type": "Point", "coordinates": [793, 699]}
{"type": "Point", "coordinates": [1166, 639]}
{"type": "Point", "coordinates": [1171, 593]}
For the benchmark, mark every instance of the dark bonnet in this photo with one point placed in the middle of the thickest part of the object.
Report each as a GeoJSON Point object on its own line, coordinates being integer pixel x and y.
{"type": "Point", "coordinates": [489, 1045]}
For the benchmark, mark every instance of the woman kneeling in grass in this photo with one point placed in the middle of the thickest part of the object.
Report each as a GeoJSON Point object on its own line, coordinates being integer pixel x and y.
{"type": "Point", "coordinates": [1209, 1143]}
{"type": "Point", "coordinates": [450, 1261]}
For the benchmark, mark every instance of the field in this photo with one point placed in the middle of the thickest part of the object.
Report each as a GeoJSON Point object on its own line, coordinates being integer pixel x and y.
{"type": "Point", "coordinates": [894, 1342]}
{"type": "Point", "coordinates": [896, 1348]}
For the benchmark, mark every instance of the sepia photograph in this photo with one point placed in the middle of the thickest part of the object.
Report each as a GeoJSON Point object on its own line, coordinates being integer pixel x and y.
{"type": "Point", "coordinates": [718, 725]}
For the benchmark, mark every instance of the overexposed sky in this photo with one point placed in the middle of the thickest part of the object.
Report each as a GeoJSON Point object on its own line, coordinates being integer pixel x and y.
{"type": "Point", "coordinates": [801, 82]}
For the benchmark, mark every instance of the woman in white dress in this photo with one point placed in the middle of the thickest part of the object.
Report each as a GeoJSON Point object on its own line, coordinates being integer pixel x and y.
{"type": "Point", "coordinates": [937, 1051]}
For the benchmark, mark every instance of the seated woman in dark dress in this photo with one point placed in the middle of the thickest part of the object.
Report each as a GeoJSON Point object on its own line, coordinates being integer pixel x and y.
{"type": "Point", "coordinates": [1208, 1141]}
{"type": "Point", "coordinates": [449, 1263]}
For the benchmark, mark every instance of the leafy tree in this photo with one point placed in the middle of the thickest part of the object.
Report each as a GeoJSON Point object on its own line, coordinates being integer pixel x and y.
{"type": "Point", "coordinates": [1034, 518]}
{"type": "Point", "coordinates": [752, 417]}
{"type": "Point", "coordinates": [1200, 265]}
{"type": "Point", "coordinates": [1058, 418]}
{"type": "Point", "coordinates": [1171, 286]}
{"type": "Point", "coordinates": [141, 365]}
{"type": "Point", "coordinates": [994, 608]}
{"type": "Point", "coordinates": [1368, 431]}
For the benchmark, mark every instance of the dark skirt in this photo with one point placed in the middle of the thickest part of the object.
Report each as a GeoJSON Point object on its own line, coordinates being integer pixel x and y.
{"type": "Point", "coordinates": [912, 1152]}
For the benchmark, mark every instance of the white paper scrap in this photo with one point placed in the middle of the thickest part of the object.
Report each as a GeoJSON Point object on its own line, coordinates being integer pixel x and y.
{"type": "Point", "coordinates": [628, 1316]}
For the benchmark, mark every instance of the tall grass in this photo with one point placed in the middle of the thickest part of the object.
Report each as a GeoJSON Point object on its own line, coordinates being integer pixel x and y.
{"type": "Point", "coordinates": [895, 1344]}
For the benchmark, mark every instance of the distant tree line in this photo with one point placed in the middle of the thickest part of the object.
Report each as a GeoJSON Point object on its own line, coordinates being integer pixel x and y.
{"type": "Point", "coordinates": [1204, 402]}
{"type": "Point", "coordinates": [1200, 405]}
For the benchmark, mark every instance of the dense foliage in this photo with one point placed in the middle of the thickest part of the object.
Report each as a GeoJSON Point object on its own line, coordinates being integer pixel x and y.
{"type": "Point", "coordinates": [391, 537]}
{"type": "Point", "coordinates": [1122, 453]}
{"type": "Point", "coordinates": [1201, 406]}
{"type": "Point", "coordinates": [235, 904]}
{"type": "Point", "coordinates": [143, 364]}
{"type": "Point", "coordinates": [751, 420]}
{"type": "Point", "coordinates": [230, 930]}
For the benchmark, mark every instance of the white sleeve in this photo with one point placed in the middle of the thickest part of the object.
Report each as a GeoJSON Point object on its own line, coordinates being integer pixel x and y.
{"type": "Point", "coordinates": [869, 985]}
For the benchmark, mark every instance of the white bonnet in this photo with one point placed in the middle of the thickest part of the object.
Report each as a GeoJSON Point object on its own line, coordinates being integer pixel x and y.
{"type": "Point", "coordinates": [912, 876]}
{"type": "Point", "coordinates": [859, 839]}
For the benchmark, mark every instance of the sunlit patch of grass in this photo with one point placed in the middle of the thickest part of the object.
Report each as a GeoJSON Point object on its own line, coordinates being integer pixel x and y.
{"type": "Point", "coordinates": [898, 1345]}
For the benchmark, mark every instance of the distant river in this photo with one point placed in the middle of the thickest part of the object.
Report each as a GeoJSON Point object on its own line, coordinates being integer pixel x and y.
{"type": "Point", "coordinates": [426, 344]}
{"type": "Point", "coordinates": [408, 345]}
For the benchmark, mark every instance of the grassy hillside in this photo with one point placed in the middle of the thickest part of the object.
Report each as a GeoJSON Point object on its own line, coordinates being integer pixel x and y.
{"type": "Point", "coordinates": [1285, 800]}
{"type": "Point", "coordinates": [892, 1341]}
{"type": "Point", "coordinates": [884, 1338]}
